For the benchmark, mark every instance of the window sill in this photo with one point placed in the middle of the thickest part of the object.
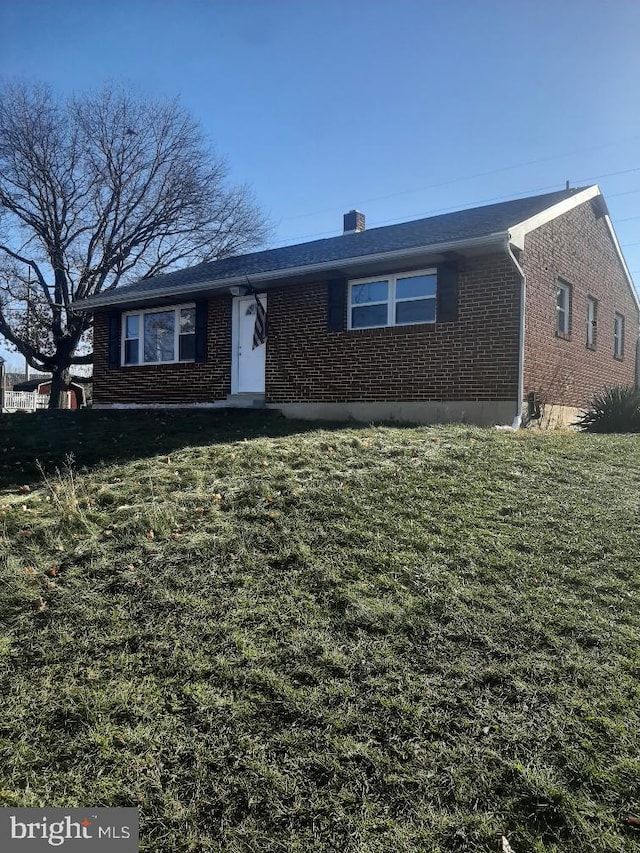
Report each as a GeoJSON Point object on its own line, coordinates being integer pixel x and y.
{"type": "Point", "coordinates": [159, 363]}
{"type": "Point", "coordinates": [591, 347]}
{"type": "Point", "coordinates": [393, 326]}
{"type": "Point", "coordinates": [563, 336]}
{"type": "Point", "coordinates": [619, 357]}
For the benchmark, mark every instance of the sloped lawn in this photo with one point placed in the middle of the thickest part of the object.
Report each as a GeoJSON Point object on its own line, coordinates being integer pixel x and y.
{"type": "Point", "coordinates": [274, 637]}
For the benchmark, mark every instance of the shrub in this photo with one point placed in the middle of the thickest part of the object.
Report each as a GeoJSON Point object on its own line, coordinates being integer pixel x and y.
{"type": "Point", "coordinates": [615, 409]}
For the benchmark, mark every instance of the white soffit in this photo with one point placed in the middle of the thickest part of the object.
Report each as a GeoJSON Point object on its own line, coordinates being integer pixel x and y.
{"type": "Point", "coordinates": [519, 231]}
{"type": "Point", "coordinates": [112, 297]}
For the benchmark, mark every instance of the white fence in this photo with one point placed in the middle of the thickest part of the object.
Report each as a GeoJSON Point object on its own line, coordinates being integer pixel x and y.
{"type": "Point", "coordinates": [29, 401]}
{"type": "Point", "coordinates": [24, 401]}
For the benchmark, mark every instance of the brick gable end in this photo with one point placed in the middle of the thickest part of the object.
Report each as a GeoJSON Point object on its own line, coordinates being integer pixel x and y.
{"type": "Point", "coordinates": [577, 249]}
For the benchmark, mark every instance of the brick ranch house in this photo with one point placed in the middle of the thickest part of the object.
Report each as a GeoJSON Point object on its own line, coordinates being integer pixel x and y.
{"type": "Point", "coordinates": [474, 316]}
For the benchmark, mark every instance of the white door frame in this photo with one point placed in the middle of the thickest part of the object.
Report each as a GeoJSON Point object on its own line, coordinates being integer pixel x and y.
{"type": "Point", "coordinates": [235, 328]}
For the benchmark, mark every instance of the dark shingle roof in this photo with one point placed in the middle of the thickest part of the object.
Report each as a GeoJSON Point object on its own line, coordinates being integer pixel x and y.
{"type": "Point", "coordinates": [32, 384]}
{"type": "Point", "coordinates": [461, 225]}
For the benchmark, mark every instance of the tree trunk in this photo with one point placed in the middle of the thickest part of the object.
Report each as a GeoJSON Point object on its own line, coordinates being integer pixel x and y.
{"type": "Point", "coordinates": [59, 384]}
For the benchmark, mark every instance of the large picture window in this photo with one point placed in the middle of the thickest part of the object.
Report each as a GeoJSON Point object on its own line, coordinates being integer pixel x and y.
{"type": "Point", "coordinates": [159, 336]}
{"type": "Point", "coordinates": [393, 300]}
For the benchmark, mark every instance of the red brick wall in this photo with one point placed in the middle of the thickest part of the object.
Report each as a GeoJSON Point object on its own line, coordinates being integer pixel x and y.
{"type": "Point", "coordinates": [168, 383]}
{"type": "Point", "coordinates": [578, 249]}
{"type": "Point", "coordinates": [475, 358]}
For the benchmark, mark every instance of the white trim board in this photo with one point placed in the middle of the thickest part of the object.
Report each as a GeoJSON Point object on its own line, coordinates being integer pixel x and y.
{"type": "Point", "coordinates": [222, 285]}
{"type": "Point", "coordinates": [515, 235]}
{"type": "Point", "coordinates": [634, 292]}
{"type": "Point", "coordinates": [518, 232]}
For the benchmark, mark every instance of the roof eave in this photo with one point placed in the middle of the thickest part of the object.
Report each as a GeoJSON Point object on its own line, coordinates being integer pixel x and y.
{"type": "Point", "coordinates": [625, 268]}
{"type": "Point", "coordinates": [113, 298]}
{"type": "Point", "coordinates": [518, 232]}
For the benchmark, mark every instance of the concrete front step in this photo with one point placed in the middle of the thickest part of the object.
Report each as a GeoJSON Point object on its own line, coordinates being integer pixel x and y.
{"type": "Point", "coordinates": [246, 401]}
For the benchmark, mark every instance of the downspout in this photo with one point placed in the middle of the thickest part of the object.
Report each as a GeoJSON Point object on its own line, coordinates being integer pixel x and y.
{"type": "Point", "coordinates": [517, 421]}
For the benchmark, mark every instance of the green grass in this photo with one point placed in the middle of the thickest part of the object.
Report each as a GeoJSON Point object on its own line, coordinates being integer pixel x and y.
{"type": "Point", "coordinates": [277, 637]}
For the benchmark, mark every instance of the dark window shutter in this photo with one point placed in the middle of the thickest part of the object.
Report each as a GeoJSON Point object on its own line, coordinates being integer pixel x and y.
{"type": "Point", "coordinates": [114, 321]}
{"type": "Point", "coordinates": [201, 329]}
{"type": "Point", "coordinates": [336, 304]}
{"type": "Point", "coordinates": [447, 293]}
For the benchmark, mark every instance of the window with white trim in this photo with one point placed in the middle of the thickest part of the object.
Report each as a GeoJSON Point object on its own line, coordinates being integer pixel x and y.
{"type": "Point", "coordinates": [159, 336]}
{"type": "Point", "coordinates": [563, 307]}
{"type": "Point", "coordinates": [592, 321]}
{"type": "Point", "coordinates": [618, 335]}
{"type": "Point", "coordinates": [393, 300]}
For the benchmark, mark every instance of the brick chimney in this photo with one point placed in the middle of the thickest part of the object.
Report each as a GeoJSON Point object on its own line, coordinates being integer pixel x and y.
{"type": "Point", "coordinates": [353, 222]}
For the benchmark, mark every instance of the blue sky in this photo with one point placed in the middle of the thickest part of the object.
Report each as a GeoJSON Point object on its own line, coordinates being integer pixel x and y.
{"type": "Point", "coordinates": [401, 108]}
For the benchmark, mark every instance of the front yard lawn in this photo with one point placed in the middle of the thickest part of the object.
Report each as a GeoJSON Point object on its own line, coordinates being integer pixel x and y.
{"type": "Point", "coordinates": [275, 636]}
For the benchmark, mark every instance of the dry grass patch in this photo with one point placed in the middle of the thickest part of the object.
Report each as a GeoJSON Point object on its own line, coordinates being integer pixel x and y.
{"type": "Point", "coordinates": [354, 639]}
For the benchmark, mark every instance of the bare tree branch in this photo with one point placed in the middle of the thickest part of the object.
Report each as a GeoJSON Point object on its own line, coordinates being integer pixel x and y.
{"type": "Point", "coordinates": [36, 359]}
{"type": "Point", "coordinates": [104, 188]}
{"type": "Point", "coordinates": [32, 265]}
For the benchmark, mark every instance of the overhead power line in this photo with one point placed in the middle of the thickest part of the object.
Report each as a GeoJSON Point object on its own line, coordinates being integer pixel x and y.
{"type": "Point", "coordinates": [626, 192]}
{"type": "Point", "coordinates": [433, 212]}
{"type": "Point", "coordinates": [470, 177]}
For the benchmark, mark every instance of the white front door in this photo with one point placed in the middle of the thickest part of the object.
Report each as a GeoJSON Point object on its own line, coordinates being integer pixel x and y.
{"type": "Point", "coordinates": [248, 361]}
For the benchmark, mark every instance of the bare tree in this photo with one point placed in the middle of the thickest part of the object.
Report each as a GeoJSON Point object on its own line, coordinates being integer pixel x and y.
{"type": "Point", "coordinates": [97, 190]}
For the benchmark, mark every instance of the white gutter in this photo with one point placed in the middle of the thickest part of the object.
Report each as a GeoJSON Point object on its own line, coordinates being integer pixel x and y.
{"type": "Point", "coordinates": [115, 298]}
{"type": "Point", "coordinates": [517, 421]}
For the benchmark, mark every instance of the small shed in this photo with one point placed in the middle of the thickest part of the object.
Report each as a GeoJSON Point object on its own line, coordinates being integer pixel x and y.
{"type": "Point", "coordinates": [42, 385]}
